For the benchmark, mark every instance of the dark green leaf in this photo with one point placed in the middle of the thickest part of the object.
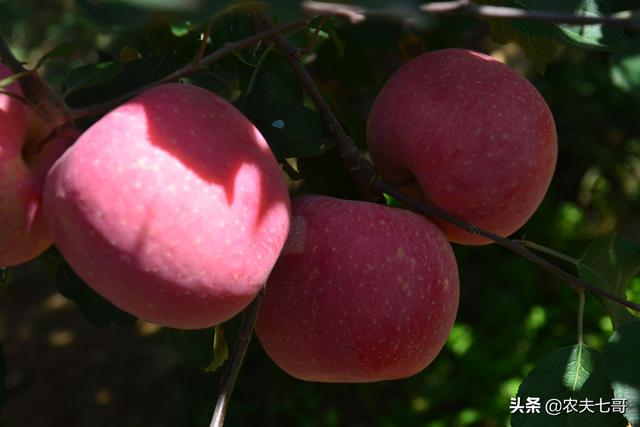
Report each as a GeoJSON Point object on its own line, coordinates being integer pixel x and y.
{"type": "Point", "coordinates": [220, 350]}
{"type": "Point", "coordinates": [622, 361]}
{"type": "Point", "coordinates": [97, 310]}
{"type": "Point", "coordinates": [610, 263]}
{"type": "Point", "coordinates": [586, 36]}
{"type": "Point", "coordinates": [177, 5]}
{"type": "Point", "coordinates": [625, 67]}
{"type": "Point", "coordinates": [275, 106]}
{"type": "Point", "coordinates": [575, 372]}
{"type": "Point", "coordinates": [64, 51]}
{"type": "Point", "coordinates": [91, 75]}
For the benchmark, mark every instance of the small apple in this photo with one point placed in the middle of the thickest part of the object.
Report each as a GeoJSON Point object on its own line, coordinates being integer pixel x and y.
{"type": "Point", "coordinates": [362, 292]}
{"type": "Point", "coordinates": [477, 137]}
{"type": "Point", "coordinates": [25, 158]}
{"type": "Point", "coordinates": [171, 206]}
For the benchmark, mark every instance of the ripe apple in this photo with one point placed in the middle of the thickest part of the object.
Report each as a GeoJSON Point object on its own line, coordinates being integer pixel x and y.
{"type": "Point", "coordinates": [476, 136]}
{"type": "Point", "coordinates": [362, 292]}
{"type": "Point", "coordinates": [25, 158]}
{"type": "Point", "coordinates": [171, 206]}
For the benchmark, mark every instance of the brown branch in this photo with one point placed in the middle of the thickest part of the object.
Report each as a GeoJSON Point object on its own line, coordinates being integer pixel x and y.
{"type": "Point", "coordinates": [359, 168]}
{"type": "Point", "coordinates": [364, 174]}
{"type": "Point", "coordinates": [40, 96]}
{"type": "Point", "coordinates": [355, 14]}
{"type": "Point", "coordinates": [249, 318]}
{"type": "Point", "coordinates": [188, 69]}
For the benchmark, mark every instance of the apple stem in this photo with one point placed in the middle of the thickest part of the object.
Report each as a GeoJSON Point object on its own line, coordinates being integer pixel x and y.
{"type": "Point", "coordinates": [364, 174]}
{"type": "Point", "coordinates": [240, 346]}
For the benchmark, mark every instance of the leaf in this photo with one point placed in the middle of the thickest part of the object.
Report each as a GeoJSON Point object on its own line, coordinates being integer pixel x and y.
{"type": "Point", "coordinates": [625, 67]}
{"type": "Point", "coordinates": [622, 361]}
{"type": "Point", "coordinates": [220, 350]}
{"type": "Point", "coordinates": [585, 36]}
{"type": "Point", "coordinates": [97, 310]}
{"type": "Point", "coordinates": [538, 49]}
{"type": "Point", "coordinates": [610, 263]}
{"type": "Point", "coordinates": [275, 106]}
{"type": "Point", "coordinates": [62, 51]}
{"type": "Point", "coordinates": [91, 75]}
{"type": "Point", "coordinates": [576, 372]}
{"type": "Point", "coordinates": [175, 5]}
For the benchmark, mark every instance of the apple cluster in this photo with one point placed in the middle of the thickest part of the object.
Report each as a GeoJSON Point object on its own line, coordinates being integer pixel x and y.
{"type": "Point", "coordinates": [174, 209]}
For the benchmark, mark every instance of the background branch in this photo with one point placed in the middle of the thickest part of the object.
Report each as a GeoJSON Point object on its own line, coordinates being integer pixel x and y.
{"type": "Point", "coordinates": [355, 14]}
{"type": "Point", "coordinates": [365, 176]}
{"type": "Point", "coordinates": [249, 318]}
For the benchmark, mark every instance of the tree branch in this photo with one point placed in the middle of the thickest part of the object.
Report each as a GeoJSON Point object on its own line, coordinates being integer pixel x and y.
{"type": "Point", "coordinates": [355, 14]}
{"type": "Point", "coordinates": [364, 174]}
{"type": "Point", "coordinates": [249, 318]}
{"type": "Point", "coordinates": [189, 68]}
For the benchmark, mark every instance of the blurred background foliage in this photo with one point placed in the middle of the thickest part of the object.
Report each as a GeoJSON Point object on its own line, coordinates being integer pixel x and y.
{"type": "Point", "coordinates": [61, 371]}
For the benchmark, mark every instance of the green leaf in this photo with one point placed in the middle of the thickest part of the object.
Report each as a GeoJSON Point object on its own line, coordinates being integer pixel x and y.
{"type": "Point", "coordinates": [622, 361]}
{"type": "Point", "coordinates": [62, 51]}
{"type": "Point", "coordinates": [585, 36]}
{"type": "Point", "coordinates": [539, 48]}
{"type": "Point", "coordinates": [220, 350]}
{"type": "Point", "coordinates": [91, 75]}
{"type": "Point", "coordinates": [97, 310]}
{"type": "Point", "coordinates": [610, 263]}
{"type": "Point", "coordinates": [625, 67]}
{"type": "Point", "coordinates": [576, 372]}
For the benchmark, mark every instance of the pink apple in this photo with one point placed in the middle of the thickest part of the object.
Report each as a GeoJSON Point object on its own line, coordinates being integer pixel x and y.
{"type": "Point", "coordinates": [362, 292]}
{"type": "Point", "coordinates": [171, 206]}
{"type": "Point", "coordinates": [477, 137]}
{"type": "Point", "coordinates": [23, 233]}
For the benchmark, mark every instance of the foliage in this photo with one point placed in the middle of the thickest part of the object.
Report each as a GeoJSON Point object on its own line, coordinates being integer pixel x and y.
{"type": "Point", "coordinates": [515, 325]}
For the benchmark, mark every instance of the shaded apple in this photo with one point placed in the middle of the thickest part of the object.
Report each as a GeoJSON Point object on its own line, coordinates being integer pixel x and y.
{"type": "Point", "coordinates": [171, 206]}
{"type": "Point", "coordinates": [362, 292]}
{"type": "Point", "coordinates": [476, 136]}
{"type": "Point", "coordinates": [27, 151]}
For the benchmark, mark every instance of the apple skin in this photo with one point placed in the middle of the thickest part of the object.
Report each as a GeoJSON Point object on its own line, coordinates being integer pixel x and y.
{"type": "Point", "coordinates": [23, 232]}
{"type": "Point", "coordinates": [172, 207]}
{"type": "Point", "coordinates": [477, 137]}
{"type": "Point", "coordinates": [362, 292]}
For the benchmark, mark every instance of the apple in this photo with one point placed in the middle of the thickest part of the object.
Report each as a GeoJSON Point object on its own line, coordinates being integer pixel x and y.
{"type": "Point", "coordinates": [26, 153]}
{"type": "Point", "coordinates": [477, 137]}
{"type": "Point", "coordinates": [171, 206]}
{"type": "Point", "coordinates": [362, 292]}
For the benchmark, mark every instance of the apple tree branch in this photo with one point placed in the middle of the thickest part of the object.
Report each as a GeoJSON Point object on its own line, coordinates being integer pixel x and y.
{"type": "Point", "coordinates": [366, 177]}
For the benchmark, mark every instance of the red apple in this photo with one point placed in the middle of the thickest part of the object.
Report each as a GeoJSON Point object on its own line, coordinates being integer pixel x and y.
{"type": "Point", "coordinates": [477, 137]}
{"type": "Point", "coordinates": [362, 292]}
{"type": "Point", "coordinates": [23, 233]}
{"type": "Point", "coordinates": [171, 206]}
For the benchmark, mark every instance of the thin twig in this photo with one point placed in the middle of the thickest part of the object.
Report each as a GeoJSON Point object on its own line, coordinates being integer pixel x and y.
{"type": "Point", "coordinates": [511, 244]}
{"type": "Point", "coordinates": [188, 69]}
{"type": "Point", "coordinates": [249, 317]}
{"type": "Point", "coordinates": [365, 176]}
